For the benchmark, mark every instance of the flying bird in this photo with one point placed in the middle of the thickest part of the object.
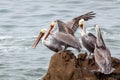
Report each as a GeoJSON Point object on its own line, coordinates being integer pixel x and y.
{"type": "Point", "coordinates": [102, 54]}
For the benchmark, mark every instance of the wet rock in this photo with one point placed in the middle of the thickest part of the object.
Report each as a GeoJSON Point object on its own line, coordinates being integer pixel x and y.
{"type": "Point", "coordinates": [66, 66]}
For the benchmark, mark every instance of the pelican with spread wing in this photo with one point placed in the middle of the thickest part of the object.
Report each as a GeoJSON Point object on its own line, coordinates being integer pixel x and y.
{"type": "Point", "coordinates": [59, 39]}
{"type": "Point", "coordinates": [72, 25]}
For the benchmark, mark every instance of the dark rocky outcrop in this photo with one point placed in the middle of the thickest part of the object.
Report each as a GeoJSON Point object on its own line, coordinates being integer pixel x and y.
{"type": "Point", "coordinates": [66, 66]}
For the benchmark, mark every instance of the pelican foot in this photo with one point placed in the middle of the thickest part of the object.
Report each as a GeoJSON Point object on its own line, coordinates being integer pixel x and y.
{"type": "Point", "coordinates": [93, 71]}
{"type": "Point", "coordinates": [61, 51]}
{"type": "Point", "coordinates": [90, 60]}
{"type": "Point", "coordinates": [89, 57]}
{"type": "Point", "coordinates": [67, 50]}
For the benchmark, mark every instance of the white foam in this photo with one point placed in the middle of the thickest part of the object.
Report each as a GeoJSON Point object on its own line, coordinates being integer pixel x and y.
{"type": "Point", "coordinates": [5, 37]}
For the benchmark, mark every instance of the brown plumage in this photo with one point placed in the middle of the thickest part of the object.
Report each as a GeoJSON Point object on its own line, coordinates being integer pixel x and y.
{"type": "Point", "coordinates": [72, 25]}
{"type": "Point", "coordinates": [88, 39]}
{"type": "Point", "coordinates": [102, 54]}
{"type": "Point", "coordinates": [58, 40]}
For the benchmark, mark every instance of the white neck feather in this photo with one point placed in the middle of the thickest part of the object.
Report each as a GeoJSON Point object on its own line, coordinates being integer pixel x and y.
{"type": "Point", "coordinates": [83, 33]}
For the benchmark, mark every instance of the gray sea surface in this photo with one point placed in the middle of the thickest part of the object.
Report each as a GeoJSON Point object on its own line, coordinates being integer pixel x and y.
{"type": "Point", "coordinates": [21, 21]}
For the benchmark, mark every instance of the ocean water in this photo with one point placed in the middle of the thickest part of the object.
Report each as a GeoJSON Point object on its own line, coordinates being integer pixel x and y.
{"type": "Point", "coordinates": [21, 21]}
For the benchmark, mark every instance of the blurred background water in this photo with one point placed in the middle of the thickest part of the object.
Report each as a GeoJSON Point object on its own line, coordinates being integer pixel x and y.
{"type": "Point", "coordinates": [21, 21]}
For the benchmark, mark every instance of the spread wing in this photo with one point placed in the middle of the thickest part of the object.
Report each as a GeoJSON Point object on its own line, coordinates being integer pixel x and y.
{"type": "Point", "coordinates": [67, 39]}
{"type": "Point", "coordinates": [86, 16]}
{"type": "Point", "coordinates": [73, 24]}
{"type": "Point", "coordinates": [63, 27]}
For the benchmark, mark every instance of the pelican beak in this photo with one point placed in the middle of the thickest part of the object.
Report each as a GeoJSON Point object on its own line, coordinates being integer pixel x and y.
{"type": "Point", "coordinates": [81, 23]}
{"type": "Point", "coordinates": [49, 31]}
{"type": "Point", "coordinates": [38, 39]}
{"type": "Point", "coordinates": [96, 27]}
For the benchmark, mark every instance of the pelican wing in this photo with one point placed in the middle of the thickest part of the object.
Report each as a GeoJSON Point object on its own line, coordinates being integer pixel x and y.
{"type": "Point", "coordinates": [73, 24]}
{"type": "Point", "coordinates": [92, 38]}
{"type": "Point", "coordinates": [89, 41]}
{"type": "Point", "coordinates": [99, 58]}
{"type": "Point", "coordinates": [86, 16]}
{"type": "Point", "coordinates": [103, 59]}
{"type": "Point", "coordinates": [106, 54]}
{"type": "Point", "coordinates": [67, 39]}
{"type": "Point", "coordinates": [63, 27]}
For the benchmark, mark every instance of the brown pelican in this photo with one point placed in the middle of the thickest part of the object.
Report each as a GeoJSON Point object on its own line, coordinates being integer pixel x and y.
{"type": "Point", "coordinates": [71, 26]}
{"type": "Point", "coordinates": [88, 39]}
{"type": "Point", "coordinates": [59, 39]}
{"type": "Point", "coordinates": [102, 54]}
{"type": "Point", "coordinates": [52, 44]}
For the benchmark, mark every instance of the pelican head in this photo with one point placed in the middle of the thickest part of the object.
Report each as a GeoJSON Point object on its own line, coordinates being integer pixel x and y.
{"type": "Point", "coordinates": [52, 27]}
{"type": "Point", "coordinates": [41, 34]}
{"type": "Point", "coordinates": [97, 28]}
{"type": "Point", "coordinates": [100, 41]}
{"type": "Point", "coordinates": [43, 31]}
{"type": "Point", "coordinates": [81, 23]}
{"type": "Point", "coordinates": [52, 24]}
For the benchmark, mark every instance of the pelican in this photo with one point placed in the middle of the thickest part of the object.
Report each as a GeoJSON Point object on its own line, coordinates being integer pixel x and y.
{"type": "Point", "coordinates": [58, 40]}
{"type": "Point", "coordinates": [102, 54]}
{"type": "Point", "coordinates": [88, 39]}
{"type": "Point", "coordinates": [72, 25]}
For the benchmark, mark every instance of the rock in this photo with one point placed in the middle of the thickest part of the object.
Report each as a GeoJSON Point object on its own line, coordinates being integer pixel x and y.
{"type": "Point", "coordinates": [66, 66]}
